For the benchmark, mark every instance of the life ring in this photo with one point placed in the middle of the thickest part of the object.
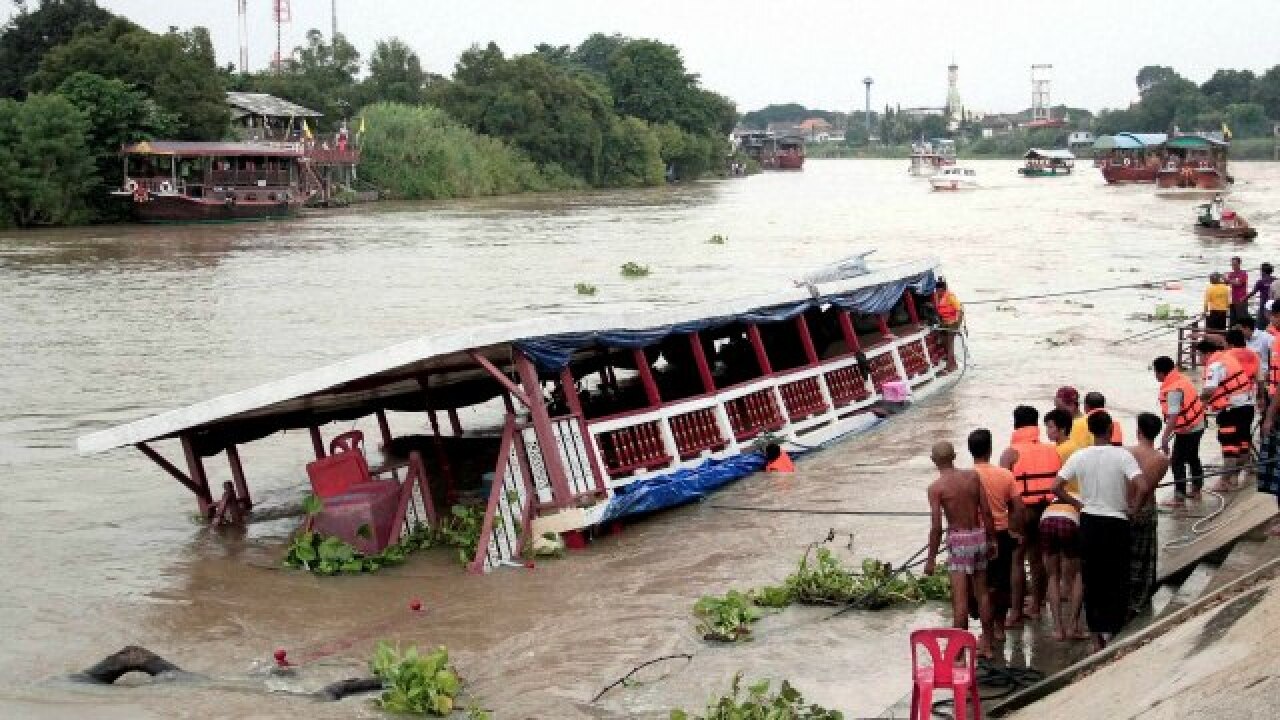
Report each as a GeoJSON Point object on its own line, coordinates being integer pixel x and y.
{"type": "Point", "coordinates": [131, 186]}
{"type": "Point", "coordinates": [140, 194]}
{"type": "Point", "coordinates": [165, 187]}
{"type": "Point", "coordinates": [1126, 162]}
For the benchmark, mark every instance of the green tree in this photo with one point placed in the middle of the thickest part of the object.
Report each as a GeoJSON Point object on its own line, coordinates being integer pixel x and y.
{"type": "Point", "coordinates": [594, 52]}
{"type": "Point", "coordinates": [631, 154]}
{"type": "Point", "coordinates": [395, 74]}
{"type": "Point", "coordinates": [1266, 92]}
{"type": "Point", "coordinates": [1229, 86]}
{"type": "Point", "coordinates": [319, 75]}
{"type": "Point", "coordinates": [45, 166]}
{"type": "Point", "coordinates": [1247, 119]}
{"type": "Point", "coordinates": [30, 34]}
{"type": "Point", "coordinates": [648, 80]}
{"type": "Point", "coordinates": [177, 70]}
{"type": "Point", "coordinates": [1152, 75]}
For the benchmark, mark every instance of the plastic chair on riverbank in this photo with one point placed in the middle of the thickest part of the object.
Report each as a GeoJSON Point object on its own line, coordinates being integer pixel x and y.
{"type": "Point", "coordinates": [944, 673]}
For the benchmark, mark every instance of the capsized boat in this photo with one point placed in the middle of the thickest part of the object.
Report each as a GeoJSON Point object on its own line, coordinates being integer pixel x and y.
{"type": "Point", "coordinates": [211, 182]}
{"type": "Point", "coordinates": [1195, 165]}
{"type": "Point", "coordinates": [955, 178]}
{"type": "Point", "coordinates": [927, 157]}
{"type": "Point", "coordinates": [1047, 163]}
{"type": "Point", "coordinates": [576, 421]}
{"type": "Point", "coordinates": [1130, 157]}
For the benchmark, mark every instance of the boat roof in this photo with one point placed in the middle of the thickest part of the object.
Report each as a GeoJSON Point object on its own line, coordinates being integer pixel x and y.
{"type": "Point", "coordinates": [208, 149]}
{"type": "Point", "coordinates": [1130, 141]}
{"type": "Point", "coordinates": [1054, 154]}
{"type": "Point", "coordinates": [389, 378]}
{"type": "Point", "coordinates": [268, 105]}
{"type": "Point", "coordinates": [1198, 140]}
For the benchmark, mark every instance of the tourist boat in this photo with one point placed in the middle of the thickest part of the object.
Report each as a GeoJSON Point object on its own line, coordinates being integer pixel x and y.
{"type": "Point", "coordinates": [772, 152]}
{"type": "Point", "coordinates": [1195, 165]}
{"type": "Point", "coordinates": [790, 154]}
{"type": "Point", "coordinates": [1130, 157]}
{"type": "Point", "coordinates": [210, 182]}
{"type": "Point", "coordinates": [576, 421]}
{"type": "Point", "coordinates": [927, 157]}
{"type": "Point", "coordinates": [955, 178]}
{"type": "Point", "coordinates": [1047, 163]}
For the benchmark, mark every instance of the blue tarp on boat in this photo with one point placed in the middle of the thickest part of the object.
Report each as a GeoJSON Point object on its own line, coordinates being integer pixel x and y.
{"type": "Point", "coordinates": [551, 353]}
{"type": "Point", "coordinates": [680, 487]}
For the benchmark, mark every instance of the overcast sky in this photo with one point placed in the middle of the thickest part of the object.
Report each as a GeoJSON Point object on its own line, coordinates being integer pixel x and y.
{"type": "Point", "coordinates": [814, 52]}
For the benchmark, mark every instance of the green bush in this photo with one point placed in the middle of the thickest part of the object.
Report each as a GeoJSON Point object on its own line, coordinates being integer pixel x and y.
{"type": "Point", "coordinates": [759, 704]}
{"type": "Point", "coordinates": [725, 619]}
{"type": "Point", "coordinates": [414, 683]}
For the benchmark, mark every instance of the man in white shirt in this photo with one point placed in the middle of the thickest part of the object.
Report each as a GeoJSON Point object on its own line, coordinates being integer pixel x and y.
{"type": "Point", "coordinates": [1111, 485]}
{"type": "Point", "coordinates": [1260, 343]}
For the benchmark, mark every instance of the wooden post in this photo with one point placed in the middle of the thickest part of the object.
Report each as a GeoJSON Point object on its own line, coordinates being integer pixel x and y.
{"type": "Point", "coordinates": [195, 470]}
{"type": "Point", "coordinates": [883, 319]}
{"type": "Point", "coordinates": [442, 456]}
{"type": "Point", "coordinates": [700, 358]}
{"type": "Point", "coordinates": [547, 443]}
{"type": "Point", "coordinates": [646, 378]}
{"type": "Point", "coordinates": [910, 299]}
{"type": "Point", "coordinates": [757, 344]}
{"type": "Point", "coordinates": [317, 442]}
{"type": "Point", "coordinates": [806, 340]}
{"type": "Point", "coordinates": [454, 423]}
{"type": "Point", "coordinates": [237, 477]}
{"type": "Point", "coordinates": [384, 428]}
{"type": "Point", "coordinates": [850, 334]}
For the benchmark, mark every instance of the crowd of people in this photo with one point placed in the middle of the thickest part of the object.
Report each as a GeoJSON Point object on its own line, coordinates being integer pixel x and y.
{"type": "Point", "coordinates": [1071, 519]}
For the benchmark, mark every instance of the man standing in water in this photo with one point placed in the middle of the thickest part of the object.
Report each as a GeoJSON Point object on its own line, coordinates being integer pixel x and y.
{"type": "Point", "coordinates": [1145, 547]}
{"type": "Point", "coordinates": [958, 494]}
{"type": "Point", "coordinates": [1107, 477]}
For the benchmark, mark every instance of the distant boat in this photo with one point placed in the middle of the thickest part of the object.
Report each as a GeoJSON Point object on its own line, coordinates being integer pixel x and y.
{"type": "Point", "coordinates": [1130, 157]}
{"type": "Point", "coordinates": [1195, 165]}
{"type": "Point", "coordinates": [1047, 163]}
{"type": "Point", "coordinates": [790, 154]}
{"type": "Point", "coordinates": [1231, 227]}
{"type": "Point", "coordinates": [955, 178]}
{"type": "Point", "coordinates": [928, 157]}
{"type": "Point", "coordinates": [772, 152]}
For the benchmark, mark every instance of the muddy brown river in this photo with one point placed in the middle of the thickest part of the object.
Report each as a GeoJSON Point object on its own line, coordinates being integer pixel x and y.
{"type": "Point", "coordinates": [106, 325]}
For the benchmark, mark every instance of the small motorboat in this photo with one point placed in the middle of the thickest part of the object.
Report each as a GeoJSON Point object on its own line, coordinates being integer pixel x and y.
{"type": "Point", "coordinates": [954, 177]}
{"type": "Point", "coordinates": [1231, 227]}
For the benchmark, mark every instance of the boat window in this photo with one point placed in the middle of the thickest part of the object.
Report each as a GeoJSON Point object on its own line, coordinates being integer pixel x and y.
{"type": "Point", "coordinates": [783, 345]}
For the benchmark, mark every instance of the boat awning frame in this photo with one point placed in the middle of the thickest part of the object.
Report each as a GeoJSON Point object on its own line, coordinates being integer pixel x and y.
{"type": "Point", "coordinates": [395, 371]}
{"type": "Point", "coordinates": [1055, 154]}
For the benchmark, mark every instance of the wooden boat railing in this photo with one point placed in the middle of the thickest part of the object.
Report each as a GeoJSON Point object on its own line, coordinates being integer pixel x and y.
{"type": "Point", "coordinates": [1189, 334]}
{"type": "Point", "coordinates": [684, 433]}
{"type": "Point", "coordinates": [508, 516]}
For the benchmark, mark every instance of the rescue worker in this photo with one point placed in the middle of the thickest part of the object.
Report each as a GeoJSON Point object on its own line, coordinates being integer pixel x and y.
{"type": "Point", "coordinates": [777, 460]}
{"type": "Point", "coordinates": [1035, 466]}
{"type": "Point", "coordinates": [1184, 421]}
{"type": "Point", "coordinates": [1096, 401]}
{"type": "Point", "coordinates": [1245, 410]}
{"type": "Point", "coordinates": [1228, 392]}
{"type": "Point", "coordinates": [951, 316]}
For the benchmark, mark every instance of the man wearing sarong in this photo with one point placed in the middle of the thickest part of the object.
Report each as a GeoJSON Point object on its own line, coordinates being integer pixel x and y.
{"type": "Point", "coordinates": [1145, 548]}
{"type": "Point", "coordinates": [1110, 481]}
{"type": "Point", "coordinates": [970, 538]}
{"type": "Point", "coordinates": [1269, 459]}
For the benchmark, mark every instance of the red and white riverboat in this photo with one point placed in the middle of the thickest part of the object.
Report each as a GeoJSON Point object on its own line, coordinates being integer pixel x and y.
{"type": "Point", "coordinates": [1130, 157]}
{"type": "Point", "coordinates": [576, 422]}
{"type": "Point", "coordinates": [1195, 165]}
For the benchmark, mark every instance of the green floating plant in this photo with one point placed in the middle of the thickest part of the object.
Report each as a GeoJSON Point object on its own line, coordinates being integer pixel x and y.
{"type": "Point", "coordinates": [585, 288]}
{"type": "Point", "coordinates": [759, 704]}
{"type": "Point", "coordinates": [631, 269]}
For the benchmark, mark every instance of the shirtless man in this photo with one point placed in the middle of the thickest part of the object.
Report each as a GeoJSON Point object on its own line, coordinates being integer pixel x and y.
{"type": "Point", "coordinates": [970, 538]}
{"type": "Point", "coordinates": [1144, 547]}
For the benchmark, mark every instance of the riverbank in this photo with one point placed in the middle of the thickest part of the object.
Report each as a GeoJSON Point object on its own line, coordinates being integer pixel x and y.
{"type": "Point", "coordinates": [1247, 149]}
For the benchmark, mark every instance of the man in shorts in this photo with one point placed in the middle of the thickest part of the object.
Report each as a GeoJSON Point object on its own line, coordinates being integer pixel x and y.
{"type": "Point", "coordinates": [958, 494]}
{"type": "Point", "coordinates": [1008, 516]}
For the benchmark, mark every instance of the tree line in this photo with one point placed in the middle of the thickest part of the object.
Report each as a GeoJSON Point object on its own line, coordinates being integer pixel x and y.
{"type": "Point", "coordinates": [77, 82]}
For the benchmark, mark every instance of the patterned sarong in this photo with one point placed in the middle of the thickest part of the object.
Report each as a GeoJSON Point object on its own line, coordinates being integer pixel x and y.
{"type": "Point", "coordinates": [1143, 550]}
{"type": "Point", "coordinates": [1269, 470]}
{"type": "Point", "coordinates": [966, 550]}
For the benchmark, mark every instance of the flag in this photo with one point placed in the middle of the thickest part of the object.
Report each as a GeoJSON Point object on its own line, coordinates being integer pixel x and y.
{"type": "Point", "coordinates": [1226, 132]}
{"type": "Point", "coordinates": [306, 129]}
{"type": "Point", "coordinates": [361, 130]}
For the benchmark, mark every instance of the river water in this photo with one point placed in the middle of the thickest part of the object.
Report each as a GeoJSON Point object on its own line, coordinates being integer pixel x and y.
{"type": "Point", "coordinates": [105, 325]}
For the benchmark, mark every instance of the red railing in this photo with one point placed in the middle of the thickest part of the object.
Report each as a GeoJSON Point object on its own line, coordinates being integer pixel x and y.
{"type": "Point", "coordinates": [323, 155]}
{"type": "Point", "coordinates": [803, 398]}
{"type": "Point", "coordinates": [915, 358]}
{"type": "Point", "coordinates": [697, 431]}
{"type": "Point", "coordinates": [753, 413]}
{"type": "Point", "coordinates": [632, 448]}
{"type": "Point", "coordinates": [846, 386]}
{"type": "Point", "coordinates": [883, 369]}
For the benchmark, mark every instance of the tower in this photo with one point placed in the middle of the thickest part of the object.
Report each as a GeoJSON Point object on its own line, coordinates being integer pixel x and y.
{"type": "Point", "coordinates": [242, 8]}
{"type": "Point", "coordinates": [954, 106]}
{"type": "Point", "coordinates": [333, 16]}
{"type": "Point", "coordinates": [867, 81]}
{"type": "Point", "coordinates": [281, 14]}
{"type": "Point", "coordinates": [1040, 77]}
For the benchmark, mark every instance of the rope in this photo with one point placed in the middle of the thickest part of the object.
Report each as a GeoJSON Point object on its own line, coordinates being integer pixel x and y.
{"type": "Point", "coordinates": [818, 511]}
{"type": "Point", "coordinates": [1085, 291]}
{"type": "Point", "coordinates": [1005, 680]}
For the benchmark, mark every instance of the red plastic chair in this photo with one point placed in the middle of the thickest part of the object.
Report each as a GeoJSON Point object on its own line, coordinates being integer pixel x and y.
{"type": "Point", "coordinates": [944, 673]}
{"type": "Point", "coordinates": [338, 474]}
{"type": "Point", "coordinates": [350, 441]}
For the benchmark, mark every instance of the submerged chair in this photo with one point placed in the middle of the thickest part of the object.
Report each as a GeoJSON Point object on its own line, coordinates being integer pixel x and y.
{"type": "Point", "coordinates": [943, 672]}
{"type": "Point", "coordinates": [338, 474]}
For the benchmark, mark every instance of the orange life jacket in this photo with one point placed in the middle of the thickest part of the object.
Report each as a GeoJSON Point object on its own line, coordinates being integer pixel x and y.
{"type": "Point", "coordinates": [1192, 411]}
{"type": "Point", "coordinates": [1249, 361]}
{"type": "Point", "coordinates": [1037, 466]}
{"type": "Point", "coordinates": [948, 307]}
{"type": "Point", "coordinates": [1117, 435]}
{"type": "Point", "coordinates": [1234, 383]}
{"type": "Point", "coordinates": [782, 464]}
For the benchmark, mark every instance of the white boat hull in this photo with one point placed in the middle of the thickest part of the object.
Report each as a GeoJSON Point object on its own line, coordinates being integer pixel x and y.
{"type": "Point", "coordinates": [950, 184]}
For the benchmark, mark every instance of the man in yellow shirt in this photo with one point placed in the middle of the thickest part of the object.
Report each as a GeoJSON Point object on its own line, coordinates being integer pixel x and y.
{"type": "Point", "coordinates": [1067, 400]}
{"type": "Point", "coordinates": [1057, 427]}
{"type": "Point", "coordinates": [1217, 302]}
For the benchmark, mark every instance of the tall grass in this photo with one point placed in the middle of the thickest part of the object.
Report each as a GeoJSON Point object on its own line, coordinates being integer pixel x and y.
{"type": "Point", "coordinates": [418, 152]}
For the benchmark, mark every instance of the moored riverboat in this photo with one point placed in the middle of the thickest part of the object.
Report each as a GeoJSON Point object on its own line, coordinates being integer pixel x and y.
{"type": "Point", "coordinates": [1195, 165]}
{"type": "Point", "coordinates": [790, 154]}
{"type": "Point", "coordinates": [211, 182]}
{"type": "Point", "coordinates": [771, 151]}
{"type": "Point", "coordinates": [1047, 163]}
{"type": "Point", "coordinates": [575, 422]}
{"type": "Point", "coordinates": [1130, 157]}
{"type": "Point", "coordinates": [928, 157]}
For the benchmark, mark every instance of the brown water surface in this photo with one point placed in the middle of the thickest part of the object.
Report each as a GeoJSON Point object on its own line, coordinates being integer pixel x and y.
{"type": "Point", "coordinates": [105, 325]}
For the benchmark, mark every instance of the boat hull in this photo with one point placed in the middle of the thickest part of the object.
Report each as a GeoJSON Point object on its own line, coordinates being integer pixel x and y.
{"type": "Point", "coordinates": [1226, 233]}
{"type": "Point", "coordinates": [790, 162]}
{"type": "Point", "coordinates": [1126, 174]}
{"type": "Point", "coordinates": [182, 209]}
{"type": "Point", "coordinates": [1043, 173]}
{"type": "Point", "coordinates": [949, 185]}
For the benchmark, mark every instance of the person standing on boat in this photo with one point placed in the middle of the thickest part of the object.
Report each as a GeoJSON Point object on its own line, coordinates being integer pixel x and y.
{"type": "Point", "coordinates": [951, 316]}
{"type": "Point", "coordinates": [1217, 301]}
{"type": "Point", "coordinates": [970, 538]}
{"type": "Point", "coordinates": [1184, 422]}
{"type": "Point", "coordinates": [1145, 547]}
{"type": "Point", "coordinates": [1228, 391]}
{"type": "Point", "coordinates": [1262, 288]}
{"type": "Point", "coordinates": [1110, 480]}
{"type": "Point", "coordinates": [1034, 466]}
{"type": "Point", "coordinates": [1238, 281]}
{"type": "Point", "coordinates": [1005, 501]}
